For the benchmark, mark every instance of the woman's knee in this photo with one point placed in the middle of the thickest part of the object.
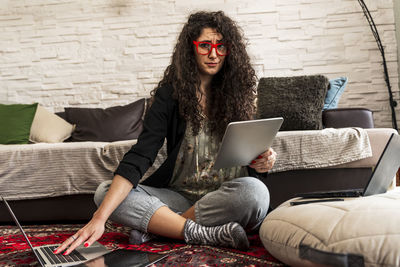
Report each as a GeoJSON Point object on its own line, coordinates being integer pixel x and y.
{"type": "Point", "coordinates": [244, 200]}
{"type": "Point", "coordinates": [252, 195]}
{"type": "Point", "coordinates": [101, 191]}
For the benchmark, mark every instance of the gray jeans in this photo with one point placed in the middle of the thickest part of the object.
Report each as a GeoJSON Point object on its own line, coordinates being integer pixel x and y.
{"type": "Point", "coordinates": [244, 200]}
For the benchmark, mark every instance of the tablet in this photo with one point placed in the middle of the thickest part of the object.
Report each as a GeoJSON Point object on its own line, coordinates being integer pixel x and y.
{"type": "Point", "coordinates": [125, 257]}
{"type": "Point", "coordinates": [243, 141]}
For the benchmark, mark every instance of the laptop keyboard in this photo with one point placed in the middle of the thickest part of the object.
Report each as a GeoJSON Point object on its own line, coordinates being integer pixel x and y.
{"type": "Point", "coordinates": [74, 256]}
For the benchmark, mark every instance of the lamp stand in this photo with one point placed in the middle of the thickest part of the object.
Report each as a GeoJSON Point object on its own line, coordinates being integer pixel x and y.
{"type": "Point", "coordinates": [374, 30]}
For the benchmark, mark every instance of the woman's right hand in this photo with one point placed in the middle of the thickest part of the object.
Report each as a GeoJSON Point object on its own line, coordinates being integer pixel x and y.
{"type": "Point", "coordinates": [119, 189]}
{"type": "Point", "coordinates": [91, 232]}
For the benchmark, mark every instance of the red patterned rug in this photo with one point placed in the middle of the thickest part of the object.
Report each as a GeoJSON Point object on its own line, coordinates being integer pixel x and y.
{"type": "Point", "coordinates": [14, 251]}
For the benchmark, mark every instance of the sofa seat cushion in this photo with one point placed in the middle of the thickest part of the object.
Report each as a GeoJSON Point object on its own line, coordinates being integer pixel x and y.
{"type": "Point", "coordinates": [355, 232]}
{"type": "Point", "coordinates": [45, 170]}
{"type": "Point", "coordinates": [56, 169]}
{"type": "Point", "coordinates": [313, 149]}
{"type": "Point", "coordinates": [378, 137]}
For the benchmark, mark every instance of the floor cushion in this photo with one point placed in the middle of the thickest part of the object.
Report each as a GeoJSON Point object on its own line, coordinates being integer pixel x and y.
{"type": "Point", "coordinates": [355, 232]}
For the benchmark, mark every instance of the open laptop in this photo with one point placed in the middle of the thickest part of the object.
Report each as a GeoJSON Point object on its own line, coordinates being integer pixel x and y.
{"type": "Point", "coordinates": [381, 177]}
{"type": "Point", "coordinates": [46, 257]}
{"type": "Point", "coordinates": [243, 141]}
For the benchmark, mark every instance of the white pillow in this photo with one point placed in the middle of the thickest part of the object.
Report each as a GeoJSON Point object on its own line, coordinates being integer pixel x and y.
{"type": "Point", "coordinates": [49, 128]}
{"type": "Point", "coordinates": [355, 232]}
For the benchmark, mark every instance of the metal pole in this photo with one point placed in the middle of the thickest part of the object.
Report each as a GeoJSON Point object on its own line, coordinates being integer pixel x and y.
{"type": "Point", "coordinates": [374, 30]}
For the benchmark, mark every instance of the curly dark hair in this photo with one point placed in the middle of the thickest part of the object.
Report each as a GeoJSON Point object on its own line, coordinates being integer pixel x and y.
{"type": "Point", "coordinates": [233, 87]}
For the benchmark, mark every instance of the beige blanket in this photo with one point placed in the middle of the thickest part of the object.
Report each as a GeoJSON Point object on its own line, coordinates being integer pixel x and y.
{"type": "Point", "coordinates": [50, 170]}
{"type": "Point", "coordinates": [318, 149]}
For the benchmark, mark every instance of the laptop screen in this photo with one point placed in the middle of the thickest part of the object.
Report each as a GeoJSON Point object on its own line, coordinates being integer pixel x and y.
{"type": "Point", "coordinates": [386, 168]}
{"type": "Point", "coordinates": [22, 230]}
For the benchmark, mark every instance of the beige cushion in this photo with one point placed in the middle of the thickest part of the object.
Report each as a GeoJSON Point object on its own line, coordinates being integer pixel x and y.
{"type": "Point", "coordinates": [378, 138]}
{"type": "Point", "coordinates": [49, 128]}
{"type": "Point", "coordinates": [336, 233]}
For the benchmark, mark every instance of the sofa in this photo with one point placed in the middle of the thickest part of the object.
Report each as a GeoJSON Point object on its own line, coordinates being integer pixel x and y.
{"type": "Point", "coordinates": [51, 163]}
{"type": "Point", "coordinates": [53, 176]}
{"type": "Point", "coordinates": [62, 189]}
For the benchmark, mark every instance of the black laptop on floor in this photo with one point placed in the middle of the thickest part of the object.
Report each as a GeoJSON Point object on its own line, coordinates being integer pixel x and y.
{"type": "Point", "coordinates": [381, 177]}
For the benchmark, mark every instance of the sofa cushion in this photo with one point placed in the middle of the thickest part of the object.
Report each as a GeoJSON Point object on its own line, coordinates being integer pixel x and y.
{"type": "Point", "coordinates": [299, 100]}
{"type": "Point", "coordinates": [49, 128]}
{"type": "Point", "coordinates": [378, 138]}
{"type": "Point", "coordinates": [107, 125]}
{"type": "Point", "coordinates": [319, 148]}
{"type": "Point", "coordinates": [348, 233]}
{"type": "Point", "coordinates": [335, 91]}
{"type": "Point", "coordinates": [16, 121]}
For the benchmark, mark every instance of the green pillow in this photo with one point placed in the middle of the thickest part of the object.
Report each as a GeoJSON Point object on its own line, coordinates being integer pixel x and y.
{"type": "Point", "coordinates": [15, 123]}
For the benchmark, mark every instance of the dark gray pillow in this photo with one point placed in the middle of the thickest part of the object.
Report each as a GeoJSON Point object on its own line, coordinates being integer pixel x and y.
{"type": "Point", "coordinates": [107, 125]}
{"type": "Point", "coordinates": [298, 99]}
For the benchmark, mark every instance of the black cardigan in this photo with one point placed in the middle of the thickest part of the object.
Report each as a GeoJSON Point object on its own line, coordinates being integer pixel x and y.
{"type": "Point", "coordinates": [161, 121]}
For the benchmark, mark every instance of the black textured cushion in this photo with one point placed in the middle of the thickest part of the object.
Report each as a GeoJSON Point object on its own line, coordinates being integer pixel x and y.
{"type": "Point", "coordinates": [107, 125]}
{"type": "Point", "coordinates": [298, 99]}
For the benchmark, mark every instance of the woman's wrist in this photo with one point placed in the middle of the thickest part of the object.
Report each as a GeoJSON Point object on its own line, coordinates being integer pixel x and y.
{"type": "Point", "coordinates": [98, 215]}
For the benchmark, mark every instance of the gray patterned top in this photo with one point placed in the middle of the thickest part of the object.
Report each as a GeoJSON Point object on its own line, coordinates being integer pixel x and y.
{"type": "Point", "coordinates": [193, 174]}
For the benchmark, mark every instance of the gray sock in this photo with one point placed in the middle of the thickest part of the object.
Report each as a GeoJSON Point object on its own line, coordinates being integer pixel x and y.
{"type": "Point", "coordinates": [228, 235]}
{"type": "Point", "coordinates": [137, 237]}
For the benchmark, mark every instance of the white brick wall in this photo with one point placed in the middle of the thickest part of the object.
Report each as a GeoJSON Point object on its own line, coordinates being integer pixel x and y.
{"type": "Point", "coordinates": [110, 52]}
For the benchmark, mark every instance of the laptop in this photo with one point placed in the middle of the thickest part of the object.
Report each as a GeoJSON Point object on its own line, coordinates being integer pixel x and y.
{"type": "Point", "coordinates": [380, 179]}
{"type": "Point", "coordinates": [46, 257]}
{"type": "Point", "coordinates": [243, 141]}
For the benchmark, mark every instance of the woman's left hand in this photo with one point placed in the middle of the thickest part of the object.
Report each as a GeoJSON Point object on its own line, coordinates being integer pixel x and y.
{"type": "Point", "coordinates": [264, 162]}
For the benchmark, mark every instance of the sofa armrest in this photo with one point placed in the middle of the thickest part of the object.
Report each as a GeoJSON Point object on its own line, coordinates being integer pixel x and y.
{"type": "Point", "coordinates": [347, 117]}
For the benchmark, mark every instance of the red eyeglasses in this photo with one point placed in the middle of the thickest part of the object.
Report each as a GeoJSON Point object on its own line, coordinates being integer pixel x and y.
{"type": "Point", "coordinates": [205, 48]}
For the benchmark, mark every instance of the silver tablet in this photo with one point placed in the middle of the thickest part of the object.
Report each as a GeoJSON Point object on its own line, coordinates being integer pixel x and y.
{"type": "Point", "coordinates": [243, 141]}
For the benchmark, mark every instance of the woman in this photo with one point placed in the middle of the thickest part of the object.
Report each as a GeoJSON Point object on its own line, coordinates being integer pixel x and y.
{"type": "Point", "coordinates": [209, 83]}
